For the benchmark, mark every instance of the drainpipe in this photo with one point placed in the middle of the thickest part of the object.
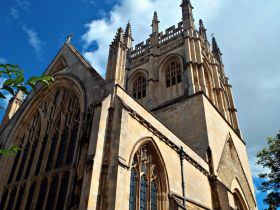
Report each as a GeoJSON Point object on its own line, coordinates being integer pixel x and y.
{"type": "Point", "coordinates": [182, 174]}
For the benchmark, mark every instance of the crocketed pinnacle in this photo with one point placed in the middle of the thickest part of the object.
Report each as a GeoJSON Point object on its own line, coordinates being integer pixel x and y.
{"type": "Point", "coordinates": [119, 36]}
{"type": "Point", "coordinates": [128, 30]}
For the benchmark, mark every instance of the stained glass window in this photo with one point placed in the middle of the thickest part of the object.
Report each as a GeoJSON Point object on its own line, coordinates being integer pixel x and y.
{"type": "Point", "coordinates": [4, 199]}
{"type": "Point", "coordinates": [143, 193]}
{"type": "Point", "coordinates": [52, 193]}
{"type": "Point", "coordinates": [153, 196]}
{"type": "Point", "coordinates": [60, 113]}
{"type": "Point", "coordinates": [20, 196]}
{"type": "Point", "coordinates": [143, 190]}
{"type": "Point", "coordinates": [42, 193]}
{"type": "Point", "coordinates": [173, 73]}
{"type": "Point", "coordinates": [139, 88]}
{"type": "Point", "coordinates": [133, 190]}
{"type": "Point", "coordinates": [30, 196]}
{"type": "Point", "coordinates": [62, 192]}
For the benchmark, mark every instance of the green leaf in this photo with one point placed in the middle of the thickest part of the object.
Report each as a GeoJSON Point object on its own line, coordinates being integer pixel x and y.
{"type": "Point", "coordinates": [2, 95]}
{"type": "Point", "coordinates": [10, 90]}
{"type": "Point", "coordinates": [8, 82]}
{"type": "Point", "coordinates": [23, 89]}
{"type": "Point", "coordinates": [19, 79]}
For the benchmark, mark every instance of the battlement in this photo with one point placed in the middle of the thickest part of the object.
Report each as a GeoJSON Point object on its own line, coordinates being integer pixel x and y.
{"type": "Point", "coordinates": [141, 48]}
{"type": "Point", "coordinates": [170, 33]}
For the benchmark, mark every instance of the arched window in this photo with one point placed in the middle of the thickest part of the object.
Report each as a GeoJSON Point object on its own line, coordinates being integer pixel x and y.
{"type": "Point", "coordinates": [47, 153]}
{"type": "Point", "coordinates": [144, 181]}
{"type": "Point", "coordinates": [173, 73]}
{"type": "Point", "coordinates": [238, 201]}
{"type": "Point", "coordinates": [133, 190]}
{"type": "Point", "coordinates": [139, 88]}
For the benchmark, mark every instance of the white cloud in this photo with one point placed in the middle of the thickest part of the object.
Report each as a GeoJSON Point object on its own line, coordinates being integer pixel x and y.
{"type": "Point", "coordinates": [23, 4]}
{"type": "Point", "coordinates": [102, 31]}
{"type": "Point", "coordinates": [14, 13]}
{"type": "Point", "coordinates": [33, 40]}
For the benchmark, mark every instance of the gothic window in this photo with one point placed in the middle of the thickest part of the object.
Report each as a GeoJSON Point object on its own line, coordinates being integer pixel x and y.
{"type": "Point", "coordinates": [54, 141]}
{"type": "Point", "coordinates": [14, 167]}
{"type": "Point", "coordinates": [173, 73]}
{"type": "Point", "coordinates": [143, 193]}
{"type": "Point", "coordinates": [52, 192]}
{"type": "Point", "coordinates": [139, 88]}
{"type": "Point", "coordinates": [30, 196]}
{"type": "Point", "coordinates": [4, 199]}
{"type": "Point", "coordinates": [153, 196]}
{"type": "Point", "coordinates": [12, 197]}
{"type": "Point", "coordinates": [238, 202]}
{"type": "Point", "coordinates": [42, 193]}
{"type": "Point", "coordinates": [144, 182]}
{"type": "Point", "coordinates": [23, 161]}
{"type": "Point", "coordinates": [30, 160]}
{"type": "Point", "coordinates": [20, 196]}
{"type": "Point", "coordinates": [48, 156]}
{"type": "Point", "coordinates": [62, 191]}
{"type": "Point", "coordinates": [133, 190]}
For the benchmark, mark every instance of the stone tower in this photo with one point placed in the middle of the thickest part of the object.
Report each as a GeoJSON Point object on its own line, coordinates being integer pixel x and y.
{"type": "Point", "coordinates": [160, 132]}
{"type": "Point", "coordinates": [13, 106]}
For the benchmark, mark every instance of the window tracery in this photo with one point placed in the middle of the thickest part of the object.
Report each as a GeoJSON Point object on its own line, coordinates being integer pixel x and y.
{"type": "Point", "coordinates": [139, 88]}
{"type": "Point", "coordinates": [173, 73]}
{"type": "Point", "coordinates": [57, 145]}
{"type": "Point", "coordinates": [144, 182]}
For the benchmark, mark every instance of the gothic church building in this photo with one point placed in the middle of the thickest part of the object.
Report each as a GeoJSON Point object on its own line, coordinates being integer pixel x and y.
{"type": "Point", "coordinates": [160, 132]}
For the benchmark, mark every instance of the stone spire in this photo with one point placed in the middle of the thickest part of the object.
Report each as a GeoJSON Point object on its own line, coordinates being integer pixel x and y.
{"type": "Point", "coordinates": [155, 23]}
{"type": "Point", "coordinates": [202, 30]}
{"type": "Point", "coordinates": [187, 15]}
{"type": "Point", "coordinates": [128, 36]}
{"type": "Point", "coordinates": [216, 50]}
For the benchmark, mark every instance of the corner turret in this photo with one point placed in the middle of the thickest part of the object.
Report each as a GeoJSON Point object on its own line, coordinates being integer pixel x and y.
{"type": "Point", "coordinates": [187, 15]}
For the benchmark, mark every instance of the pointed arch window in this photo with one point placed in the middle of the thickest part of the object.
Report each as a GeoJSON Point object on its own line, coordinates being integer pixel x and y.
{"type": "Point", "coordinates": [144, 182]}
{"type": "Point", "coordinates": [139, 88]}
{"type": "Point", "coordinates": [173, 73]}
{"type": "Point", "coordinates": [47, 154]}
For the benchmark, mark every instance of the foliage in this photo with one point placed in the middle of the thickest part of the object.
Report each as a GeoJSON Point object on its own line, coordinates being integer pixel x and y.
{"type": "Point", "coordinates": [14, 81]}
{"type": "Point", "coordinates": [269, 158]}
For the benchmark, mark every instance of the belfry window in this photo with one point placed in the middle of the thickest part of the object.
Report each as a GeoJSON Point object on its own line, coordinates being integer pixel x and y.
{"type": "Point", "coordinates": [173, 73]}
{"type": "Point", "coordinates": [139, 88]}
{"type": "Point", "coordinates": [144, 181]}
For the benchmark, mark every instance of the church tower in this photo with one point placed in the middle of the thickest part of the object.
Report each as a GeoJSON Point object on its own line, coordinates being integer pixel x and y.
{"type": "Point", "coordinates": [160, 132]}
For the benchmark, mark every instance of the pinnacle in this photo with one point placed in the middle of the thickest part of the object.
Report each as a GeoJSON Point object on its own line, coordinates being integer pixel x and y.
{"type": "Point", "coordinates": [201, 23]}
{"type": "Point", "coordinates": [128, 30]}
{"type": "Point", "coordinates": [119, 35]}
{"type": "Point", "coordinates": [155, 18]}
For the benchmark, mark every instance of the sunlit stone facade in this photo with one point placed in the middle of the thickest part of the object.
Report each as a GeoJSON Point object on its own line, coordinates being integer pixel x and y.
{"type": "Point", "coordinates": [159, 132]}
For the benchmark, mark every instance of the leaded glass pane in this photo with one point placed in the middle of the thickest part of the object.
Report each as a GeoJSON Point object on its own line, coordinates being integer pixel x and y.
{"type": "Point", "coordinates": [133, 190]}
{"type": "Point", "coordinates": [4, 199]}
{"type": "Point", "coordinates": [20, 196]}
{"type": "Point", "coordinates": [139, 88]}
{"type": "Point", "coordinates": [62, 192]}
{"type": "Point", "coordinates": [173, 73]}
{"type": "Point", "coordinates": [42, 193]}
{"type": "Point", "coordinates": [30, 196]}
{"type": "Point", "coordinates": [52, 193]}
{"type": "Point", "coordinates": [143, 193]}
{"type": "Point", "coordinates": [153, 196]}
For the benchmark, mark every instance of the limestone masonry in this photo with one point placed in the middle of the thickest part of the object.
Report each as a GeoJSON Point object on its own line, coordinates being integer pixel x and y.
{"type": "Point", "coordinates": [159, 132]}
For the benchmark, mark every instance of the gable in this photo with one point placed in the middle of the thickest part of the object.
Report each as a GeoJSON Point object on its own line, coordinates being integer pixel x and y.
{"type": "Point", "coordinates": [230, 169]}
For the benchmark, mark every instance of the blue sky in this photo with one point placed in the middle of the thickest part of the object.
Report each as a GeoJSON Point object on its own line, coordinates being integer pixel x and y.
{"type": "Point", "coordinates": [247, 32]}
